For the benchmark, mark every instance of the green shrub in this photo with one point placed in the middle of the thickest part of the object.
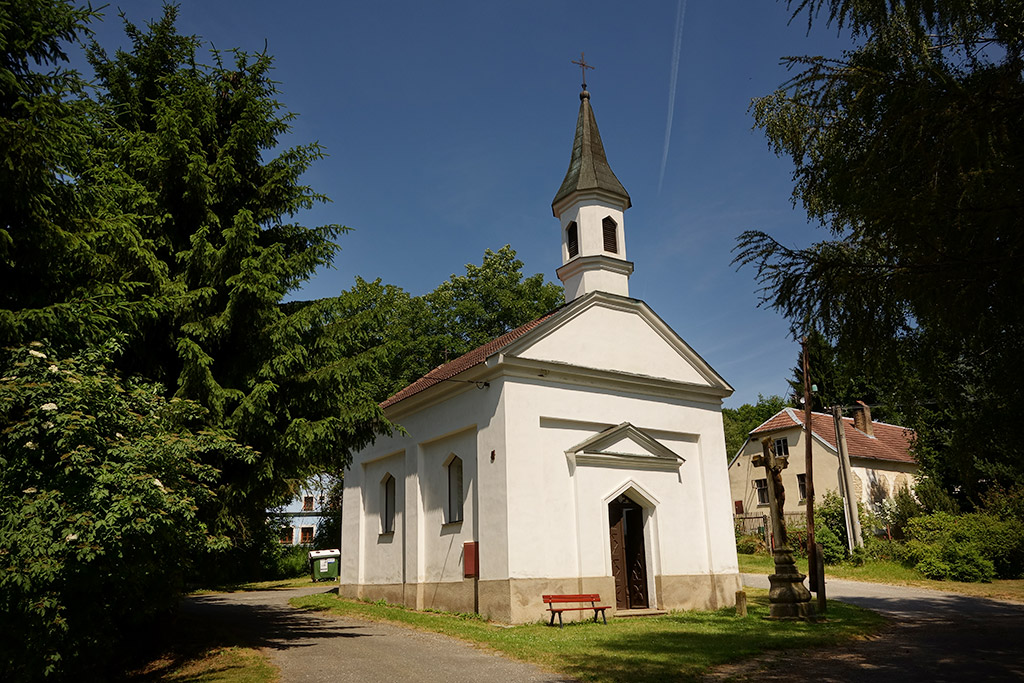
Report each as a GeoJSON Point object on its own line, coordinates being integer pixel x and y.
{"type": "Point", "coordinates": [859, 557]}
{"type": "Point", "coordinates": [749, 545]}
{"type": "Point", "coordinates": [1005, 503]}
{"type": "Point", "coordinates": [954, 562]}
{"type": "Point", "coordinates": [833, 550]}
{"type": "Point", "coordinates": [934, 498]}
{"type": "Point", "coordinates": [877, 548]}
{"type": "Point", "coordinates": [898, 511]}
{"type": "Point", "coordinates": [292, 562]}
{"type": "Point", "coordinates": [995, 546]}
{"type": "Point", "coordinates": [100, 483]}
{"type": "Point", "coordinates": [796, 533]}
{"type": "Point", "coordinates": [830, 511]}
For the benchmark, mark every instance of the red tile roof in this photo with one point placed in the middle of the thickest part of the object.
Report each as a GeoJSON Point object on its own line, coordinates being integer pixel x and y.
{"type": "Point", "coordinates": [465, 361]}
{"type": "Point", "coordinates": [890, 442]}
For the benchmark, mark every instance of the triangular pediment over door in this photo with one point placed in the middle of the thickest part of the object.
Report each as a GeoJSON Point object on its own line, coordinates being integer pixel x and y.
{"type": "Point", "coordinates": [627, 446]}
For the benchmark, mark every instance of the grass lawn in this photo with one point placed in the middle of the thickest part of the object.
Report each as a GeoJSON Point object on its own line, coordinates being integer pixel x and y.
{"type": "Point", "coordinates": [277, 584]}
{"type": "Point", "coordinates": [879, 571]}
{"type": "Point", "coordinates": [675, 647]}
{"type": "Point", "coordinates": [222, 665]}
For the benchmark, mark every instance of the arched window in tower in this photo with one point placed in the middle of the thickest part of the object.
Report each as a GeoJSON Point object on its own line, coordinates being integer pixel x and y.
{"type": "Point", "coordinates": [454, 511]}
{"type": "Point", "coordinates": [611, 241]}
{"type": "Point", "coordinates": [572, 239]}
{"type": "Point", "coordinates": [387, 504]}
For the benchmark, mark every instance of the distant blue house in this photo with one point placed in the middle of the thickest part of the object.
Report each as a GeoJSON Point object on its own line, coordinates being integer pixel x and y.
{"type": "Point", "coordinates": [299, 519]}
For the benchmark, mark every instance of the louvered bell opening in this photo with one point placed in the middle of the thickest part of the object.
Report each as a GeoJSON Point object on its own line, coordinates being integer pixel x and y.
{"type": "Point", "coordinates": [572, 240]}
{"type": "Point", "coordinates": [611, 243]}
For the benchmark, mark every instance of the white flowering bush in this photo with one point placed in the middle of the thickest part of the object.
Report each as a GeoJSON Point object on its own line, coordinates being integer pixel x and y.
{"type": "Point", "coordinates": [103, 499]}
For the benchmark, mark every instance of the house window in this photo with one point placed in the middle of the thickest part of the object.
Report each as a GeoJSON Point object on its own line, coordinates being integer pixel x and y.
{"type": "Point", "coordinates": [781, 446]}
{"type": "Point", "coordinates": [761, 486]}
{"type": "Point", "coordinates": [801, 484]}
{"type": "Point", "coordinates": [572, 239]}
{"type": "Point", "coordinates": [287, 535]}
{"type": "Point", "coordinates": [454, 511]}
{"type": "Point", "coordinates": [307, 503]}
{"type": "Point", "coordinates": [387, 508]}
{"type": "Point", "coordinates": [306, 535]}
{"type": "Point", "coordinates": [608, 229]}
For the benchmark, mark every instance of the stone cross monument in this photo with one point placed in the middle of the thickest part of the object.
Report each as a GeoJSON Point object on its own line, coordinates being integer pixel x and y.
{"type": "Point", "coordinates": [788, 597]}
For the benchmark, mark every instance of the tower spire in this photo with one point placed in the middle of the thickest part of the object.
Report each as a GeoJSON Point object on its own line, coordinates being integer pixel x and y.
{"type": "Point", "coordinates": [590, 204]}
{"type": "Point", "coordinates": [588, 166]}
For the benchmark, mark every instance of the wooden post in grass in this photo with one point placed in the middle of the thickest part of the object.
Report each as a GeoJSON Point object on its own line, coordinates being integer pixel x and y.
{"type": "Point", "coordinates": [741, 603]}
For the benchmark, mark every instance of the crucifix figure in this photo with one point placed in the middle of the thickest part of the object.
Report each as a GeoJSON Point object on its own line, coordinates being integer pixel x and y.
{"type": "Point", "coordinates": [773, 465]}
{"type": "Point", "coordinates": [583, 69]}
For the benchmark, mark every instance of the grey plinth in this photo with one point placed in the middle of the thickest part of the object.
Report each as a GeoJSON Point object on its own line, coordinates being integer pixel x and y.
{"type": "Point", "coordinates": [788, 598]}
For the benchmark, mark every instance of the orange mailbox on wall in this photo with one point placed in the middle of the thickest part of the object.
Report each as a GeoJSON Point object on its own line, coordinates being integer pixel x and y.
{"type": "Point", "coordinates": [470, 559]}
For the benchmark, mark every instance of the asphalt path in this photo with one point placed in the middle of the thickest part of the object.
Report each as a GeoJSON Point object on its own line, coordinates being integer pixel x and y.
{"type": "Point", "coordinates": [933, 636]}
{"type": "Point", "coordinates": [311, 647]}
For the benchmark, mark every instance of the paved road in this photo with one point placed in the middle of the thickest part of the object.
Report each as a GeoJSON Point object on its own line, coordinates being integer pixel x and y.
{"type": "Point", "coordinates": [934, 636]}
{"type": "Point", "coordinates": [311, 647]}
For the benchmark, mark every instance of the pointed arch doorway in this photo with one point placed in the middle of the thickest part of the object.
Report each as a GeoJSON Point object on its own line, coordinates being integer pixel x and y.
{"type": "Point", "coordinates": [629, 554]}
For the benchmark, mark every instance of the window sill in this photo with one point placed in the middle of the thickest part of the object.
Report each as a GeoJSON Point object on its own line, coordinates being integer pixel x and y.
{"type": "Point", "coordinates": [385, 536]}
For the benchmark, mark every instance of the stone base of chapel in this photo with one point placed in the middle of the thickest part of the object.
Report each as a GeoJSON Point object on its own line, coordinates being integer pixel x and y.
{"type": "Point", "coordinates": [518, 601]}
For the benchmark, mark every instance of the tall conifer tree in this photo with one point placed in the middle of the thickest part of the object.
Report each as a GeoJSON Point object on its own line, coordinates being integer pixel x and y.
{"type": "Point", "coordinates": [203, 140]}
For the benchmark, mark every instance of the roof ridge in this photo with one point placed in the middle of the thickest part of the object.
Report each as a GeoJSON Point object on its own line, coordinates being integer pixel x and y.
{"type": "Point", "coordinates": [466, 361]}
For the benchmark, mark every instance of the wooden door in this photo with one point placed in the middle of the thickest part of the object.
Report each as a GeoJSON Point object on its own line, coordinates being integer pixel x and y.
{"type": "Point", "coordinates": [629, 556]}
{"type": "Point", "coordinates": [617, 525]}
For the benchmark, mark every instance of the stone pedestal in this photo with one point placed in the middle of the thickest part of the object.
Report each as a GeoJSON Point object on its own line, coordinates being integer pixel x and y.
{"type": "Point", "coordinates": [788, 597]}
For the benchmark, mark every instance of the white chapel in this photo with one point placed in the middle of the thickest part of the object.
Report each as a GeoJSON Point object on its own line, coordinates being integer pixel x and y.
{"type": "Point", "coordinates": [580, 453]}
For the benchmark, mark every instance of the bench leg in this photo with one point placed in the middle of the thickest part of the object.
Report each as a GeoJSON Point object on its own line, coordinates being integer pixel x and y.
{"type": "Point", "coordinates": [559, 620]}
{"type": "Point", "coordinates": [603, 618]}
{"type": "Point", "coordinates": [552, 622]}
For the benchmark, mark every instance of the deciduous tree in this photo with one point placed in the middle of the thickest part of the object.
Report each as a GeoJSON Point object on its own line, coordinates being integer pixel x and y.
{"type": "Point", "coordinates": [739, 422]}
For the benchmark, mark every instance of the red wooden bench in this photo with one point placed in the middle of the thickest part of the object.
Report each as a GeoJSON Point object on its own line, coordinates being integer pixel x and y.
{"type": "Point", "coordinates": [592, 598]}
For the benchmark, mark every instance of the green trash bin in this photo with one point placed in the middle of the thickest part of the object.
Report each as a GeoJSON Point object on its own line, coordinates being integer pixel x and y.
{"type": "Point", "coordinates": [325, 565]}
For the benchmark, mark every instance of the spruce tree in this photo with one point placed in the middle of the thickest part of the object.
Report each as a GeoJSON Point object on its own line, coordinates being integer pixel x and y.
{"type": "Point", "coordinates": [203, 139]}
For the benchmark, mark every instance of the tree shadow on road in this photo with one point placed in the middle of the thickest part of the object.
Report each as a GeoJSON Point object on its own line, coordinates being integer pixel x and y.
{"type": "Point", "coordinates": [207, 623]}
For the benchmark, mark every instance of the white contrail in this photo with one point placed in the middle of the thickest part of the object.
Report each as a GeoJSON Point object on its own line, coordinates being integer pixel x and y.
{"type": "Point", "coordinates": [680, 15]}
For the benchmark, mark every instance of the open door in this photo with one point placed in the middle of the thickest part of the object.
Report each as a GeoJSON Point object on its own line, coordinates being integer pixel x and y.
{"type": "Point", "coordinates": [629, 556]}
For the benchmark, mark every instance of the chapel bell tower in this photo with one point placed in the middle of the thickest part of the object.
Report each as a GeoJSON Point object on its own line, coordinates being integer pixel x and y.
{"type": "Point", "coordinates": [590, 204]}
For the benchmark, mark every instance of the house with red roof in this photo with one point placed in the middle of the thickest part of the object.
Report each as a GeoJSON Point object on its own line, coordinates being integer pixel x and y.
{"type": "Point", "coordinates": [880, 459]}
{"type": "Point", "coordinates": [580, 453]}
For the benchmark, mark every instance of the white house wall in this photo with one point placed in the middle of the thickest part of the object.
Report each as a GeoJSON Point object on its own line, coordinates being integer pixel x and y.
{"type": "Point", "coordinates": [584, 341]}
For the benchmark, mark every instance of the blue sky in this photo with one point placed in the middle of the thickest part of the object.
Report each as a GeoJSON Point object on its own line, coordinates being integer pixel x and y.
{"type": "Point", "coordinates": [449, 127]}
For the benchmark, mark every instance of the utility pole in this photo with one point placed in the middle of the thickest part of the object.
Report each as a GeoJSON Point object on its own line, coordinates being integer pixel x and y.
{"type": "Point", "coordinates": [853, 533]}
{"type": "Point", "coordinates": [812, 552]}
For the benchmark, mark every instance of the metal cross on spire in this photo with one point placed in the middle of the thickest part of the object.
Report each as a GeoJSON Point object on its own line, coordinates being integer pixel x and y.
{"type": "Point", "coordinates": [583, 69]}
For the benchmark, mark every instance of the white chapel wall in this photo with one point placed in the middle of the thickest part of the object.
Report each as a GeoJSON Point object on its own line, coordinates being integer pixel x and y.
{"type": "Point", "coordinates": [381, 552]}
{"type": "Point", "coordinates": [442, 541]}
{"type": "Point", "coordinates": [423, 548]}
{"type": "Point", "coordinates": [584, 341]}
{"type": "Point", "coordinates": [688, 541]}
